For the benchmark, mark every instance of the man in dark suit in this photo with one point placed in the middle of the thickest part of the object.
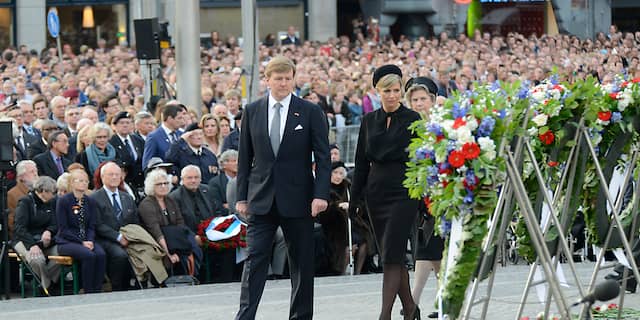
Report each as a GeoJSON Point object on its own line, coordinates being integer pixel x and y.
{"type": "Point", "coordinates": [277, 187]}
{"type": "Point", "coordinates": [291, 37]}
{"type": "Point", "coordinates": [194, 198]}
{"type": "Point", "coordinates": [159, 140]}
{"type": "Point", "coordinates": [40, 145]}
{"type": "Point", "coordinates": [115, 208]}
{"type": "Point", "coordinates": [129, 149]}
{"type": "Point", "coordinates": [229, 170]}
{"type": "Point", "coordinates": [53, 163]}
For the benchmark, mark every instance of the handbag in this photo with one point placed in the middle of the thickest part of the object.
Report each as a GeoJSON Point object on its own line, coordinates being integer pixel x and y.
{"type": "Point", "coordinates": [177, 238]}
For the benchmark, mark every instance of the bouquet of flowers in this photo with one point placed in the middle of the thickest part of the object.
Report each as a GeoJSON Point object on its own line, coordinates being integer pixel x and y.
{"type": "Point", "coordinates": [220, 233]}
{"type": "Point", "coordinates": [455, 165]}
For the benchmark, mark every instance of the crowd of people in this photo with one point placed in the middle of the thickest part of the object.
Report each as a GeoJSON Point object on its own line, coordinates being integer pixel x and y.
{"type": "Point", "coordinates": [92, 156]}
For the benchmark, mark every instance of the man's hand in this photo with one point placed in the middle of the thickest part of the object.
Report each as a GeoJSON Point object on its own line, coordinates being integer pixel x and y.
{"type": "Point", "coordinates": [317, 206]}
{"type": "Point", "coordinates": [124, 242]}
{"type": "Point", "coordinates": [34, 252]}
{"type": "Point", "coordinates": [243, 208]}
{"type": "Point", "coordinates": [46, 238]}
{"type": "Point", "coordinates": [343, 205]}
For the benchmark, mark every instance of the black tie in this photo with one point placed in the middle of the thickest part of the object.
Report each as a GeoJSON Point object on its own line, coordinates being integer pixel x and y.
{"type": "Point", "coordinates": [129, 149]}
{"type": "Point", "coordinates": [174, 137]}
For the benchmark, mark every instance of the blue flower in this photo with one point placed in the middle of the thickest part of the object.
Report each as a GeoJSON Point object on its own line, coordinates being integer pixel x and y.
{"type": "Point", "coordinates": [523, 93]}
{"type": "Point", "coordinates": [486, 126]}
{"type": "Point", "coordinates": [468, 199]}
{"type": "Point", "coordinates": [470, 177]}
{"type": "Point", "coordinates": [444, 166]}
{"type": "Point", "coordinates": [431, 154]}
{"type": "Point", "coordinates": [495, 86]}
{"type": "Point", "coordinates": [434, 128]}
{"type": "Point", "coordinates": [554, 79]}
{"type": "Point", "coordinates": [616, 116]}
{"type": "Point", "coordinates": [445, 225]}
{"type": "Point", "coordinates": [421, 153]}
{"type": "Point", "coordinates": [451, 145]}
{"type": "Point", "coordinates": [457, 111]}
{"type": "Point", "coordinates": [432, 175]}
{"type": "Point", "coordinates": [502, 113]}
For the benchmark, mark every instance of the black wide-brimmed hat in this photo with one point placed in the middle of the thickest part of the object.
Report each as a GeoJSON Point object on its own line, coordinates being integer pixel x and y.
{"type": "Point", "coordinates": [385, 70]}
{"type": "Point", "coordinates": [427, 82]}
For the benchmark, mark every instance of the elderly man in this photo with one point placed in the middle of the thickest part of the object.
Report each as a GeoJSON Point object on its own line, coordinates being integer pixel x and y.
{"type": "Point", "coordinates": [189, 150]}
{"type": "Point", "coordinates": [28, 118]}
{"type": "Point", "coordinates": [129, 148]}
{"type": "Point", "coordinates": [58, 108]}
{"type": "Point", "coordinates": [196, 205]}
{"type": "Point", "coordinates": [218, 184]}
{"type": "Point", "coordinates": [26, 175]}
{"type": "Point", "coordinates": [114, 208]}
{"type": "Point", "coordinates": [144, 124]}
{"type": "Point", "coordinates": [194, 198]}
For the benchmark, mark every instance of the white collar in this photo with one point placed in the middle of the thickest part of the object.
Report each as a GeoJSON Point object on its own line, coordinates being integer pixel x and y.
{"type": "Point", "coordinates": [284, 102]}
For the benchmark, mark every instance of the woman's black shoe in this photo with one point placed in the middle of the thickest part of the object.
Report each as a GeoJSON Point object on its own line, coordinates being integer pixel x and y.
{"type": "Point", "coordinates": [433, 315]}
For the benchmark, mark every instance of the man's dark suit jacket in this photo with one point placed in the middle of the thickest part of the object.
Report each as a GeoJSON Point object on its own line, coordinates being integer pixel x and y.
{"type": "Point", "coordinates": [156, 145]}
{"type": "Point", "coordinates": [46, 166]}
{"type": "Point", "coordinates": [287, 41]}
{"type": "Point", "coordinates": [286, 177]}
{"type": "Point", "coordinates": [36, 148]}
{"type": "Point", "coordinates": [28, 140]}
{"type": "Point", "coordinates": [184, 200]}
{"type": "Point", "coordinates": [107, 225]}
{"type": "Point", "coordinates": [231, 141]}
{"type": "Point", "coordinates": [135, 172]}
{"type": "Point", "coordinates": [218, 187]}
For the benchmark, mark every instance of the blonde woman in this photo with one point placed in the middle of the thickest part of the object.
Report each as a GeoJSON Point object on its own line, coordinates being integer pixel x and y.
{"type": "Point", "coordinates": [380, 166]}
{"type": "Point", "coordinates": [212, 137]}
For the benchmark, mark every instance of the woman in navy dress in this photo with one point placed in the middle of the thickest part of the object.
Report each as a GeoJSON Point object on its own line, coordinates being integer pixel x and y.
{"type": "Point", "coordinates": [76, 217]}
{"type": "Point", "coordinates": [380, 166]}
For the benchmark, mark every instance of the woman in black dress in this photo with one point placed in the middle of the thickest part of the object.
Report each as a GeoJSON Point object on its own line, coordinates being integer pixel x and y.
{"type": "Point", "coordinates": [380, 165]}
{"type": "Point", "coordinates": [421, 96]}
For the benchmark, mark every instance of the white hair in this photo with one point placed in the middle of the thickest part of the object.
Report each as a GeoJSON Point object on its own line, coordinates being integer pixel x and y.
{"type": "Point", "coordinates": [190, 167]}
{"type": "Point", "coordinates": [152, 178]}
{"type": "Point", "coordinates": [228, 154]}
{"type": "Point", "coordinates": [21, 167]}
{"type": "Point", "coordinates": [108, 164]}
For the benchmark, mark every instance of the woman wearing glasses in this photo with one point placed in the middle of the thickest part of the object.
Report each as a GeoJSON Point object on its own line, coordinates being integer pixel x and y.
{"type": "Point", "coordinates": [76, 218]}
{"type": "Point", "coordinates": [158, 213]}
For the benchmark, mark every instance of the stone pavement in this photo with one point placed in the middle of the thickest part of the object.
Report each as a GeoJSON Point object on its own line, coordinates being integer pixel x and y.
{"type": "Point", "coordinates": [343, 297]}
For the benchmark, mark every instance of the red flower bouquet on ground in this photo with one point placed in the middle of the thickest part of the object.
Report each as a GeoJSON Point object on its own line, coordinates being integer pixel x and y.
{"type": "Point", "coordinates": [221, 233]}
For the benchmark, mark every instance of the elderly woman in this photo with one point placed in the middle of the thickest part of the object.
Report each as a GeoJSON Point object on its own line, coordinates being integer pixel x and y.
{"type": "Point", "coordinates": [76, 217]}
{"type": "Point", "coordinates": [380, 166]}
{"type": "Point", "coordinates": [157, 211]}
{"type": "Point", "coordinates": [212, 137]}
{"type": "Point", "coordinates": [99, 150]}
{"type": "Point", "coordinates": [35, 226]}
{"type": "Point", "coordinates": [62, 184]}
{"type": "Point", "coordinates": [421, 96]}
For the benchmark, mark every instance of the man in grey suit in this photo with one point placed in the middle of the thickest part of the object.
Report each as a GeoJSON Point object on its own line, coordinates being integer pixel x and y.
{"type": "Point", "coordinates": [115, 208]}
{"type": "Point", "coordinates": [277, 188]}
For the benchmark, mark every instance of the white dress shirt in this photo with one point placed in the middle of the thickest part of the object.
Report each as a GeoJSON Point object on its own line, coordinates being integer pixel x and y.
{"type": "Point", "coordinates": [284, 111]}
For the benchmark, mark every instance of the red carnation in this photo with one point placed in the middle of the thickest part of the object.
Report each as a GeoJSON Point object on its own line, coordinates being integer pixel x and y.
{"type": "Point", "coordinates": [456, 158]}
{"type": "Point", "coordinates": [547, 138]}
{"type": "Point", "coordinates": [445, 171]}
{"type": "Point", "coordinates": [613, 95]}
{"type": "Point", "coordinates": [459, 122]}
{"type": "Point", "coordinates": [439, 138]}
{"type": "Point", "coordinates": [553, 164]}
{"type": "Point", "coordinates": [604, 115]}
{"type": "Point", "coordinates": [471, 150]}
{"type": "Point", "coordinates": [624, 84]}
{"type": "Point", "coordinates": [558, 87]}
{"type": "Point", "coordinates": [636, 80]}
{"type": "Point", "coordinates": [427, 202]}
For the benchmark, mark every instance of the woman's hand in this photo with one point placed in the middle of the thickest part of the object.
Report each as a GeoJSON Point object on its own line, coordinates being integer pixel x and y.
{"type": "Point", "coordinates": [88, 245]}
{"type": "Point", "coordinates": [174, 258]}
{"type": "Point", "coordinates": [343, 205]}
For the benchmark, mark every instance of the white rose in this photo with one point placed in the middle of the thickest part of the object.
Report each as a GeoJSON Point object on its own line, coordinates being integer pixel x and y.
{"type": "Point", "coordinates": [538, 95]}
{"type": "Point", "coordinates": [532, 132]}
{"type": "Point", "coordinates": [540, 119]}
{"type": "Point", "coordinates": [472, 123]}
{"type": "Point", "coordinates": [464, 135]}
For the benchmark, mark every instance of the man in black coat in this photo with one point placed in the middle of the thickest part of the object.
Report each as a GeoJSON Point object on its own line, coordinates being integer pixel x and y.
{"type": "Point", "coordinates": [129, 149]}
{"type": "Point", "coordinates": [277, 187]}
{"type": "Point", "coordinates": [115, 208]}
{"type": "Point", "coordinates": [291, 37]}
{"type": "Point", "coordinates": [194, 199]}
{"type": "Point", "coordinates": [53, 163]}
{"type": "Point", "coordinates": [233, 139]}
{"type": "Point", "coordinates": [40, 145]}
